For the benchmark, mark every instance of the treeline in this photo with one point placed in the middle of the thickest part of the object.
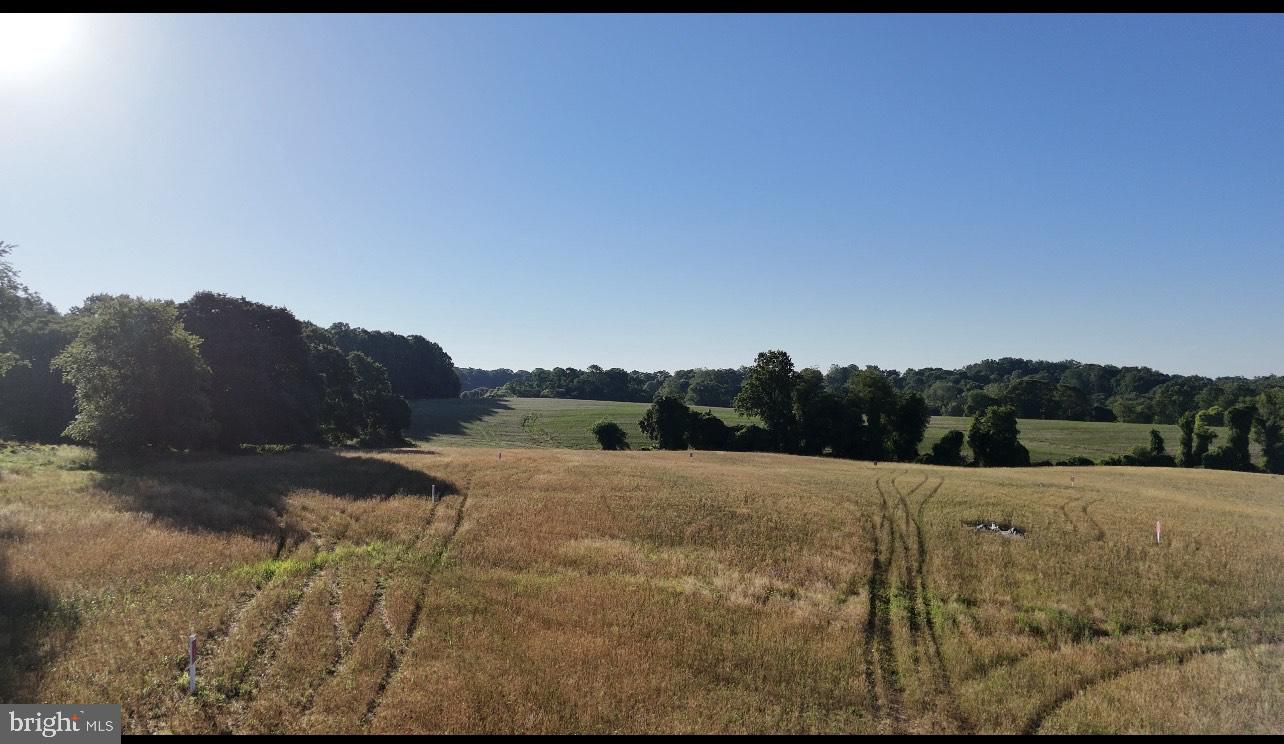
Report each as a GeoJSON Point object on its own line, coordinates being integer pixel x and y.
{"type": "Point", "coordinates": [867, 418]}
{"type": "Point", "coordinates": [473, 379]}
{"type": "Point", "coordinates": [1260, 419]}
{"type": "Point", "coordinates": [697, 387]}
{"type": "Point", "coordinates": [1078, 392]}
{"type": "Point", "coordinates": [593, 383]}
{"type": "Point", "coordinates": [417, 367]}
{"type": "Point", "coordinates": [1034, 389]}
{"type": "Point", "coordinates": [213, 371]}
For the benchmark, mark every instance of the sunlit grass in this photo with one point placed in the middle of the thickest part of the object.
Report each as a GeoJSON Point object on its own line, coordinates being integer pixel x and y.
{"type": "Point", "coordinates": [561, 590]}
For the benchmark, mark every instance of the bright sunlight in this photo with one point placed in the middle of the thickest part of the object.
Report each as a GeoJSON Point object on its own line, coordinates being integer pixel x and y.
{"type": "Point", "coordinates": [32, 43]}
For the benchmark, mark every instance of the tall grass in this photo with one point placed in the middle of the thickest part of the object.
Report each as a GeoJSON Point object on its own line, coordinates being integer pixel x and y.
{"type": "Point", "coordinates": [557, 590]}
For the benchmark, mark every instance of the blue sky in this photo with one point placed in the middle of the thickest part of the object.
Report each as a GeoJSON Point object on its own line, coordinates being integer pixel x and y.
{"type": "Point", "coordinates": [667, 192]}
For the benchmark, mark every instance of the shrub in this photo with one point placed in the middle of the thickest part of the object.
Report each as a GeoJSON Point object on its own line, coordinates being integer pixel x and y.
{"type": "Point", "coordinates": [1153, 456]}
{"type": "Point", "coordinates": [610, 436]}
{"type": "Point", "coordinates": [993, 439]}
{"type": "Point", "coordinates": [948, 451]}
{"type": "Point", "coordinates": [705, 431]}
{"type": "Point", "coordinates": [751, 438]}
{"type": "Point", "coordinates": [666, 423]}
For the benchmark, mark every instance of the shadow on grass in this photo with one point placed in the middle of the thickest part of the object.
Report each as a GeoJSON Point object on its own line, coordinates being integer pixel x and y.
{"type": "Point", "coordinates": [246, 493]}
{"type": "Point", "coordinates": [430, 418]}
{"type": "Point", "coordinates": [34, 629]}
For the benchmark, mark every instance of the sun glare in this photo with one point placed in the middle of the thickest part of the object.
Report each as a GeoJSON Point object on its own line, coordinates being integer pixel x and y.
{"type": "Point", "coordinates": [32, 43]}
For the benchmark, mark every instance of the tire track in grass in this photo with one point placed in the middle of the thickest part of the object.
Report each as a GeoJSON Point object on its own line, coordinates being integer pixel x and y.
{"type": "Point", "coordinates": [1066, 513]}
{"type": "Point", "coordinates": [941, 675]}
{"type": "Point", "coordinates": [306, 646]}
{"type": "Point", "coordinates": [218, 643]}
{"type": "Point", "coordinates": [981, 672]}
{"type": "Point", "coordinates": [403, 641]}
{"type": "Point", "coordinates": [1048, 709]}
{"type": "Point", "coordinates": [880, 624]}
{"type": "Point", "coordinates": [923, 637]}
{"type": "Point", "coordinates": [1100, 533]}
{"type": "Point", "coordinates": [216, 639]}
{"type": "Point", "coordinates": [346, 644]}
{"type": "Point", "coordinates": [910, 585]}
{"type": "Point", "coordinates": [871, 619]}
{"type": "Point", "coordinates": [265, 649]}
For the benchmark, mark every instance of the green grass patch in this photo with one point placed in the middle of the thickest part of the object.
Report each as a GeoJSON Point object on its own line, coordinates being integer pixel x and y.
{"type": "Point", "coordinates": [565, 424]}
{"type": "Point", "coordinates": [264, 571]}
{"type": "Point", "coordinates": [532, 422]}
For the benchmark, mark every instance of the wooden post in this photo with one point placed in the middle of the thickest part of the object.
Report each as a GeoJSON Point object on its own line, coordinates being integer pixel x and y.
{"type": "Point", "coordinates": [434, 492]}
{"type": "Point", "coordinates": [191, 664]}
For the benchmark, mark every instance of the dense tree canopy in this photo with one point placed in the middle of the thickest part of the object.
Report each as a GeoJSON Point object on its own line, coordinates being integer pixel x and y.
{"type": "Point", "coordinates": [417, 367]}
{"type": "Point", "coordinates": [263, 389]}
{"type": "Point", "coordinates": [381, 414]}
{"type": "Point", "coordinates": [767, 393]}
{"type": "Point", "coordinates": [128, 373]}
{"type": "Point", "coordinates": [993, 439]}
{"type": "Point", "coordinates": [35, 403]}
{"type": "Point", "coordinates": [1268, 428]}
{"type": "Point", "coordinates": [666, 423]}
{"type": "Point", "coordinates": [139, 377]}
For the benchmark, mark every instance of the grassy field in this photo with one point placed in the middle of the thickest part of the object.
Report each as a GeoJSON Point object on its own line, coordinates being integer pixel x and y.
{"type": "Point", "coordinates": [530, 422]}
{"type": "Point", "coordinates": [1058, 440]}
{"type": "Point", "coordinates": [547, 422]}
{"type": "Point", "coordinates": [563, 590]}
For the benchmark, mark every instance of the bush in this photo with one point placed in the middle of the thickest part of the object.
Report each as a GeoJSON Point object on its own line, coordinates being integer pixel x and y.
{"type": "Point", "coordinates": [705, 431]}
{"type": "Point", "coordinates": [666, 423]}
{"type": "Point", "coordinates": [1077, 460]}
{"type": "Point", "coordinates": [610, 436]}
{"type": "Point", "coordinates": [751, 438]}
{"type": "Point", "coordinates": [1153, 456]}
{"type": "Point", "coordinates": [993, 439]}
{"type": "Point", "coordinates": [948, 451]}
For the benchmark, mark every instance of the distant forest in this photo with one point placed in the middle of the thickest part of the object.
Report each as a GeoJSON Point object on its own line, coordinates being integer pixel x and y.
{"type": "Point", "coordinates": [1067, 389]}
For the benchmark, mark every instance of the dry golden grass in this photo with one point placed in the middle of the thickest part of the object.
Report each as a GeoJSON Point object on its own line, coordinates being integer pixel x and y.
{"type": "Point", "coordinates": [556, 591]}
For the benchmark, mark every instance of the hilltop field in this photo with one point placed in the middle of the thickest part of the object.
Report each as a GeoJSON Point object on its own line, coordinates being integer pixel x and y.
{"type": "Point", "coordinates": [556, 422]}
{"type": "Point", "coordinates": [556, 590]}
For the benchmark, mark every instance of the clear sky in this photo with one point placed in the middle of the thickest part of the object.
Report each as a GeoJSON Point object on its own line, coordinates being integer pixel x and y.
{"type": "Point", "coordinates": [674, 191]}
